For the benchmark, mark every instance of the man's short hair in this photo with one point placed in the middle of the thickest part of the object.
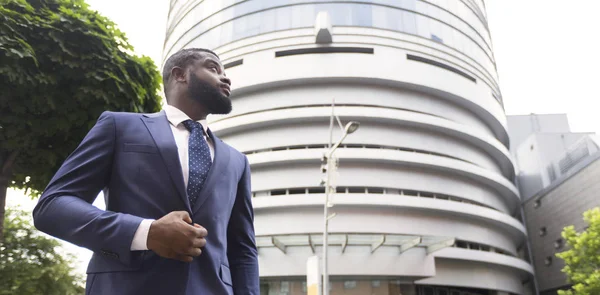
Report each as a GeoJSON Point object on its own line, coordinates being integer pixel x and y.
{"type": "Point", "coordinates": [181, 58]}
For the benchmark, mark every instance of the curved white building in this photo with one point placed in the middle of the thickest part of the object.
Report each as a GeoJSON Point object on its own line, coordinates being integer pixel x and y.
{"type": "Point", "coordinates": [425, 199]}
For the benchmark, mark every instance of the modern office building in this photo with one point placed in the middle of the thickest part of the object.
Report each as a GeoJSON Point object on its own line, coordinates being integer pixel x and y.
{"type": "Point", "coordinates": [558, 178]}
{"type": "Point", "coordinates": [425, 199]}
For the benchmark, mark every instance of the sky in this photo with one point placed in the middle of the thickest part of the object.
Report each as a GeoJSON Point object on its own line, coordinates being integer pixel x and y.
{"type": "Point", "coordinates": [547, 56]}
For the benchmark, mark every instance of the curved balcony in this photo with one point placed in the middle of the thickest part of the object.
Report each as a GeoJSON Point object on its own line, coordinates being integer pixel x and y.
{"type": "Point", "coordinates": [366, 115]}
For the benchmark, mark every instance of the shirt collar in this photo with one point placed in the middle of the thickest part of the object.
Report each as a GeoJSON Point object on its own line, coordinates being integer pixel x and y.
{"type": "Point", "coordinates": [176, 117]}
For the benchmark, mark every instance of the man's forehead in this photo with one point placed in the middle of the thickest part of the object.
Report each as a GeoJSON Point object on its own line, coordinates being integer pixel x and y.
{"type": "Point", "coordinates": [207, 56]}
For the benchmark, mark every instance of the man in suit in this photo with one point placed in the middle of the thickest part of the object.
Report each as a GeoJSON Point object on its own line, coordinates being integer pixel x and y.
{"type": "Point", "coordinates": [179, 217]}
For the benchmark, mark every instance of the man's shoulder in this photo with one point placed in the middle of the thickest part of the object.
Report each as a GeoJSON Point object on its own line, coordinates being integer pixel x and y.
{"type": "Point", "coordinates": [233, 152]}
{"type": "Point", "coordinates": [127, 115]}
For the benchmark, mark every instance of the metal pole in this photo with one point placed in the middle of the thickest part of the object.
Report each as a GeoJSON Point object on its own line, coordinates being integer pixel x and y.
{"type": "Point", "coordinates": [331, 123]}
{"type": "Point", "coordinates": [325, 205]}
{"type": "Point", "coordinates": [325, 236]}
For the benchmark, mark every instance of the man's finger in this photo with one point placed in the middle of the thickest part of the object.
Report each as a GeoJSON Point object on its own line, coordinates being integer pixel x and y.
{"type": "Point", "coordinates": [185, 217]}
{"type": "Point", "coordinates": [200, 231]}
{"type": "Point", "coordinates": [199, 243]}
{"type": "Point", "coordinates": [194, 252]}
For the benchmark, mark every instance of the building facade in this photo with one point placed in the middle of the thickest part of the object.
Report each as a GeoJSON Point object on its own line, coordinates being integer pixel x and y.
{"type": "Point", "coordinates": [558, 179]}
{"type": "Point", "coordinates": [425, 198]}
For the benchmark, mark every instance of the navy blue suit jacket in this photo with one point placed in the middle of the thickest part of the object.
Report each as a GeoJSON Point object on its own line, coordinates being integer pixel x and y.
{"type": "Point", "coordinates": [134, 159]}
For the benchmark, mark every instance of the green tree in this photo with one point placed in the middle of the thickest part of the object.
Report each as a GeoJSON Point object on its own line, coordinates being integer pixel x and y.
{"type": "Point", "coordinates": [61, 65]}
{"type": "Point", "coordinates": [30, 263]}
{"type": "Point", "coordinates": [582, 259]}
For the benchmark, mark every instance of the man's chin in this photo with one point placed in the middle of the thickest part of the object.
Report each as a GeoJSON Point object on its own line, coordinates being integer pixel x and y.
{"type": "Point", "coordinates": [222, 106]}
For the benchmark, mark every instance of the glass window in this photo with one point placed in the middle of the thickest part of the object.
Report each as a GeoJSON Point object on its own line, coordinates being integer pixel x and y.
{"type": "Point", "coordinates": [349, 284]}
{"type": "Point", "coordinates": [303, 16]}
{"type": "Point", "coordinates": [383, 19]}
{"type": "Point", "coordinates": [558, 244]}
{"type": "Point", "coordinates": [409, 22]}
{"type": "Point", "coordinates": [361, 15]}
{"type": "Point", "coordinates": [267, 21]}
{"type": "Point", "coordinates": [408, 4]}
{"type": "Point", "coordinates": [252, 25]}
{"type": "Point", "coordinates": [246, 7]}
{"type": "Point", "coordinates": [423, 26]}
{"type": "Point", "coordinates": [221, 28]}
{"type": "Point", "coordinates": [340, 14]}
{"type": "Point", "coordinates": [285, 287]}
{"type": "Point", "coordinates": [283, 18]}
{"type": "Point", "coordinates": [226, 33]}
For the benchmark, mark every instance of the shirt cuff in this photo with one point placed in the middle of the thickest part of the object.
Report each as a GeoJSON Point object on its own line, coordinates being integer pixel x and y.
{"type": "Point", "coordinates": [140, 238]}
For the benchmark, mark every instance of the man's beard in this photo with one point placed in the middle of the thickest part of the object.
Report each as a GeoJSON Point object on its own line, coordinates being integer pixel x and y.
{"type": "Point", "coordinates": [209, 96]}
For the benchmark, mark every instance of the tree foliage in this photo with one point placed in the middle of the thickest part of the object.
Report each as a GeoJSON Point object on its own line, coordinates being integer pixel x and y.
{"type": "Point", "coordinates": [582, 259]}
{"type": "Point", "coordinates": [30, 263]}
{"type": "Point", "coordinates": [61, 65]}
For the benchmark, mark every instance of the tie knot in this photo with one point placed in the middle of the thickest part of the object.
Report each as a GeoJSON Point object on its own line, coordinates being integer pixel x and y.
{"type": "Point", "coordinates": [191, 125]}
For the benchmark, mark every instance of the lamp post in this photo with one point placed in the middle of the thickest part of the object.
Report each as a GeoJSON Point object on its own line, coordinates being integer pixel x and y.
{"type": "Point", "coordinates": [330, 168]}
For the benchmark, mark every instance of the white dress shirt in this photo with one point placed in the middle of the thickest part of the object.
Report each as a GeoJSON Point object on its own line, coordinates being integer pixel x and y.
{"type": "Point", "coordinates": [181, 135]}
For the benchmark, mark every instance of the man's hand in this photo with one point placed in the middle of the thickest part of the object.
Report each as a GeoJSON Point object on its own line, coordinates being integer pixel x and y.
{"type": "Point", "coordinates": [174, 237]}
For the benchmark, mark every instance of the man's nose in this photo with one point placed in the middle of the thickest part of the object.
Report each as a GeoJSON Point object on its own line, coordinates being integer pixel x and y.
{"type": "Point", "coordinates": [226, 80]}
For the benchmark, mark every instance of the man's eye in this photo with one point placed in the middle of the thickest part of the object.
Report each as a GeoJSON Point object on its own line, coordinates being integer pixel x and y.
{"type": "Point", "coordinates": [213, 68]}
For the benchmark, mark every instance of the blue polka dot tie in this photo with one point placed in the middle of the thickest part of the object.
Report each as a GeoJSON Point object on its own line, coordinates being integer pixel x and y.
{"type": "Point", "coordinates": [199, 160]}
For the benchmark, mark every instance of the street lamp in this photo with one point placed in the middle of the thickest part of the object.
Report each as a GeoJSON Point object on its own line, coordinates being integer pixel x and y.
{"type": "Point", "coordinates": [330, 168]}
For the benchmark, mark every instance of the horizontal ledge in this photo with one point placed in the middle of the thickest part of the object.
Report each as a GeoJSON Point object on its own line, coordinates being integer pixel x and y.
{"type": "Point", "coordinates": [402, 242]}
{"type": "Point", "coordinates": [486, 115]}
{"type": "Point", "coordinates": [459, 209]}
{"type": "Point", "coordinates": [368, 114]}
{"type": "Point", "coordinates": [485, 257]}
{"type": "Point", "coordinates": [433, 162]}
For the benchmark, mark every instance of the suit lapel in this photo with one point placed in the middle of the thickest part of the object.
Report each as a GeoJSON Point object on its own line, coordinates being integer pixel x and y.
{"type": "Point", "coordinates": [161, 132]}
{"type": "Point", "coordinates": [219, 166]}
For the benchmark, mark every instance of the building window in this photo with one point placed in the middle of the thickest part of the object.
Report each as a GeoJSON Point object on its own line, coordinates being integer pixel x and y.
{"type": "Point", "coordinates": [548, 261]}
{"type": "Point", "coordinates": [316, 190]}
{"type": "Point", "coordinates": [543, 231]}
{"type": "Point", "coordinates": [461, 244]}
{"type": "Point", "coordinates": [285, 287]}
{"type": "Point", "coordinates": [297, 191]}
{"type": "Point", "coordinates": [436, 38]}
{"type": "Point", "coordinates": [537, 203]}
{"type": "Point", "coordinates": [374, 190]}
{"type": "Point", "coordinates": [280, 192]}
{"type": "Point", "coordinates": [558, 244]}
{"type": "Point", "coordinates": [375, 284]}
{"type": "Point", "coordinates": [357, 190]}
{"type": "Point", "coordinates": [349, 284]}
{"type": "Point", "coordinates": [428, 291]}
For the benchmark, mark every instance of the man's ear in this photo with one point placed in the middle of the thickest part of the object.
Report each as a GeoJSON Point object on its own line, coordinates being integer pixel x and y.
{"type": "Point", "coordinates": [178, 74]}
